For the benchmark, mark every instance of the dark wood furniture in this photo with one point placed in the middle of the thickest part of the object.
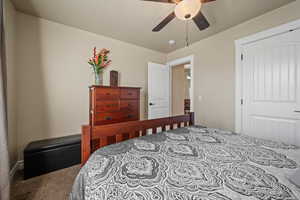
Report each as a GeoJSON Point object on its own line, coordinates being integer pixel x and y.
{"type": "Point", "coordinates": [114, 78]}
{"type": "Point", "coordinates": [48, 155]}
{"type": "Point", "coordinates": [95, 137]}
{"type": "Point", "coordinates": [187, 106]}
{"type": "Point", "coordinates": [114, 104]}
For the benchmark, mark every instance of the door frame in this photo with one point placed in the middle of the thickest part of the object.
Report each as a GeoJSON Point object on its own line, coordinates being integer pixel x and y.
{"type": "Point", "coordinates": [174, 63]}
{"type": "Point", "coordinates": [239, 44]}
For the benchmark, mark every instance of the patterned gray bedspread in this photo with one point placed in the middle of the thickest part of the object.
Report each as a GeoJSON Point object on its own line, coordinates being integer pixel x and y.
{"type": "Point", "coordinates": [190, 163]}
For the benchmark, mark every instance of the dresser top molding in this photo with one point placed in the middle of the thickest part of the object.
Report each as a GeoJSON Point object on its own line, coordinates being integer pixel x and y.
{"type": "Point", "coordinates": [105, 86]}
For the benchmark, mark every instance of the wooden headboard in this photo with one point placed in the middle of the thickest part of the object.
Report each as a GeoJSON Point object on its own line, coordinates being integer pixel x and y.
{"type": "Point", "coordinates": [95, 137]}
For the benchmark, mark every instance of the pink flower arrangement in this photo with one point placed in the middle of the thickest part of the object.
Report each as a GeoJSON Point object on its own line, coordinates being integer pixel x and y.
{"type": "Point", "coordinates": [99, 60]}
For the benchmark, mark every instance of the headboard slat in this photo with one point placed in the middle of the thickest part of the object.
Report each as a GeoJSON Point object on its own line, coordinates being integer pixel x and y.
{"type": "Point", "coordinates": [119, 138]}
{"type": "Point", "coordinates": [144, 132]}
{"type": "Point", "coordinates": [103, 141]}
{"type": "Point", "coordinates": [154, 130]}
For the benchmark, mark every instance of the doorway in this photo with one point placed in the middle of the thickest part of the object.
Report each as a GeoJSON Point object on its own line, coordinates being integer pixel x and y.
{"type": "Point", "coordinates": [160, 88]}
{"type": "Point", "coordinates": [181, 85]}
{"type": "Point", "coordinates": [181, 89]}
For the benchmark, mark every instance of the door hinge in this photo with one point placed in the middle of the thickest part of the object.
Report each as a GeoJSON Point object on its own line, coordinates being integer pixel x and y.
{"type": "Point", "coordinates": [242, 101]}
{"type": "Point", "coordinates": [242, 56]}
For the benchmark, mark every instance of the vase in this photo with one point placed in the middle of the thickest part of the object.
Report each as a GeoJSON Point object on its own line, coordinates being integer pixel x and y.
{"type": "Point", "coordinates": [98, 79]}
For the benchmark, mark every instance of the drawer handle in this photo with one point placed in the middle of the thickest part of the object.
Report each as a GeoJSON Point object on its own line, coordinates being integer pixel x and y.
{"type": "Point", "coordinates": [108, 118]}
{"type": "Point", "coordinates": [129, 116]}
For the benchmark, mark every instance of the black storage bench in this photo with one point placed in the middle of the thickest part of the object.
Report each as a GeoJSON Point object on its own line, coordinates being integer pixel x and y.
{"type": "Point", "coordinates": [45, 156]}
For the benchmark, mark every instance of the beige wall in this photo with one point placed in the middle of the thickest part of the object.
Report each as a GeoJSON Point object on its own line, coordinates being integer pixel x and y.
{"type": "Point", "coordinates": [215, 62]}
{"type": "Point", "coordinates": [10, 38]}
{"type": "Point", "coordinates": [54, 76]}
{"type": "Point", "coordinates": [178, 93]}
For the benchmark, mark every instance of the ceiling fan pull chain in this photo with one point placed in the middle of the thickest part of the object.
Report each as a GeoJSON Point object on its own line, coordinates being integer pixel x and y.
{"type": "Point", "coordinates": [187, 33]}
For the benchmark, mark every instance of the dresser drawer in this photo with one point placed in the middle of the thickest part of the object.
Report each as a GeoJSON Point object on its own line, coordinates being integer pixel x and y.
{"type": "Point", "coordinates": [114, 117]}
{"type": "Point", "coordinates": [130, 116]}
{"type": "Point", "coordinates": [129, 94]}
{"type": "Point", "coordinates": [107, 94]}
{"type": "Point", "coordinates": [107, 117]}
{"type": "Point", "coordinates": [107, 106]}
{"type": "Point", "coordinates": [129, 105]}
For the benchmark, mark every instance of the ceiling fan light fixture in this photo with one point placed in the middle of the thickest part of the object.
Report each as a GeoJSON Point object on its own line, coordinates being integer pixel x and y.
{"type": "Point", "coordinates": [187, 9]}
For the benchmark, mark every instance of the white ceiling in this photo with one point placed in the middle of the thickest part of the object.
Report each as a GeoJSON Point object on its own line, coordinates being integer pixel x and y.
{"type": "Point", "coordinates": [132, 20]}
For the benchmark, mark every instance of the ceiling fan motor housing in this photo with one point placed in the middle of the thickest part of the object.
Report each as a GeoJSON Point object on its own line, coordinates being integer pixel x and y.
{"type": "Point", "coordinates": [187, 9]}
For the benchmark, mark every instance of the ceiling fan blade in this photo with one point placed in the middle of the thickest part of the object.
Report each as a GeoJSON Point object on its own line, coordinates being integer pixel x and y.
{"type": "Point", "coordinates": [207, 1]}
{"type": "Point", "coordinates": [162, 24]}
{"type": "Point", "coordinates": [162, 1]}
{"type": "Point", "coordinates": [201, 21]}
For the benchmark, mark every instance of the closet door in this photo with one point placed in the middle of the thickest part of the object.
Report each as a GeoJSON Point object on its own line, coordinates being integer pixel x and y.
{"type": "Point", "coordinates": [271, 88]}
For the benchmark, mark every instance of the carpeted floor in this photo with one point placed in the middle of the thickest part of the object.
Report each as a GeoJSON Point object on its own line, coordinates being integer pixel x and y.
{"type": "Point", "coordinates": [53, 186]}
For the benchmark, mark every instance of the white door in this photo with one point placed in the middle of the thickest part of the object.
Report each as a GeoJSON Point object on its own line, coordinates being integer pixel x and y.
{"type": "Point", "coordinates": [271, 88]}
{"type": "Point", "coordinates": [158, 91]}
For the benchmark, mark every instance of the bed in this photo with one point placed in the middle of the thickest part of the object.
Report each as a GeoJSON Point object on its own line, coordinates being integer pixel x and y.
{"type": "Point", "coordinates": [187, 163]}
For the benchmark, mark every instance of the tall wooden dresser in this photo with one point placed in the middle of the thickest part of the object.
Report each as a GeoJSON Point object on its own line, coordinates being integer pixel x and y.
{"type": "Point", "coordinates": [114, 104]}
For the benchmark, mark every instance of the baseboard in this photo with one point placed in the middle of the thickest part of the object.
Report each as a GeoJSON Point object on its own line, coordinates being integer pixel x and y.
{"type": "Point", "coordinates": [19, 165]}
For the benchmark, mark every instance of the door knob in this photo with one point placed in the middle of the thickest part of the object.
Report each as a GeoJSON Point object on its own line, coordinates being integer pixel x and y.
{"type": "Point", "coordinates": [151, 104]}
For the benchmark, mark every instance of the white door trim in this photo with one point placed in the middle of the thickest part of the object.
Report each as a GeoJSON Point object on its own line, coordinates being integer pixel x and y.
{"type": "Point", "coordinates": [239, 65]}
{"type": "Point", "coordinates": [180, 61]}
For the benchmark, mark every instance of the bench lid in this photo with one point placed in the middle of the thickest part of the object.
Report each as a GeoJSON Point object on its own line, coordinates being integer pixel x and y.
{"type": "Point", "coordinates": [47, 144]}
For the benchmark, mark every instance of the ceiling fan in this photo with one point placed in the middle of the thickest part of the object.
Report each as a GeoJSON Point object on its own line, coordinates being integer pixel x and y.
{"type": "Point", "coordinates": [185, 10]}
